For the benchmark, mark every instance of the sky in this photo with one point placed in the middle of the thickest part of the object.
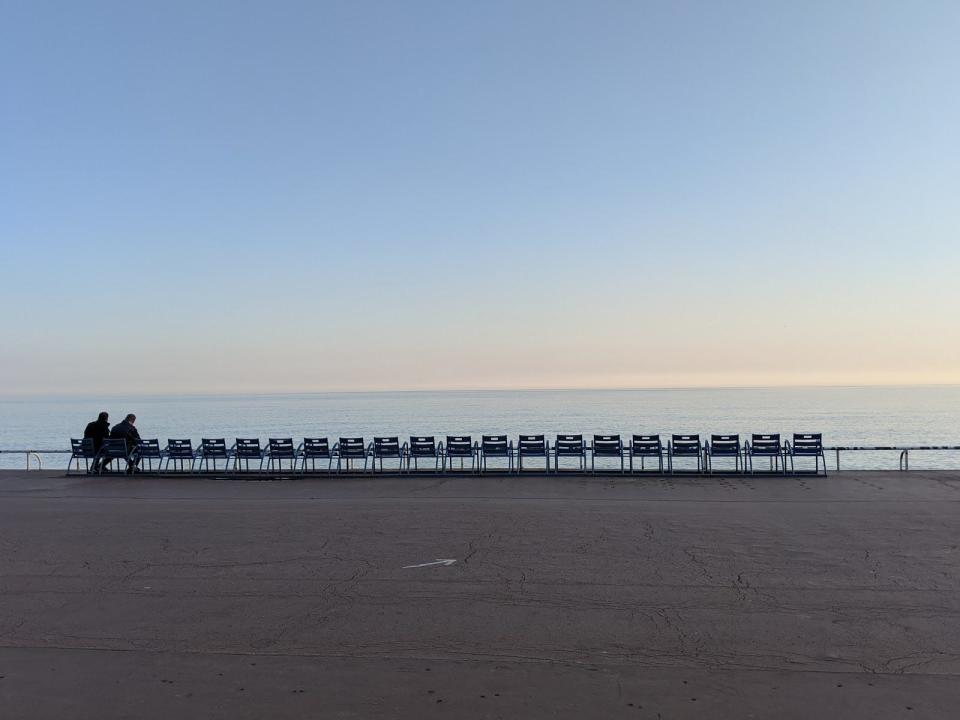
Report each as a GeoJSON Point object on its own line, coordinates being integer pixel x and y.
{"type": "Point", "coordinates": [306, 196]}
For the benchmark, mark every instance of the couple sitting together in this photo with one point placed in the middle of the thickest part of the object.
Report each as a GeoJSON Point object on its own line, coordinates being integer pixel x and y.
{"type": "Point", "coordinates": [99, 430]}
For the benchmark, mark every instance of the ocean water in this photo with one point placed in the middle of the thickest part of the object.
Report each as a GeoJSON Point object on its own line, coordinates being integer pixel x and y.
{"type": "Point", "coordinates": [905, 415]}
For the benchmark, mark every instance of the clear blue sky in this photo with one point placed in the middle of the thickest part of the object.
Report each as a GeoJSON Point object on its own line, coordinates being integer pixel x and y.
{"type": "Point", "coordinates": [230, 196]}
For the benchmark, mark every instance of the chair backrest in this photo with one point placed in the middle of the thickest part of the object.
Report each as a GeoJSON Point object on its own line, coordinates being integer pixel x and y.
{"type": "Point", "coordinates": [807, 443]}
{"type": "Point", "coordinates": [386, 446]}
{"type": "Point", "coordinates": [149, 448]}
{"type": "Point", "coordinates": [352, 447]}
{"type": "Point", "coordinates": [610, 445]}
{"type": "Point", "coordinates": [646, 445]}
{"type": "Point", "coordinates": [765, 444]}
{"type": "Point", "coordinates": [569, 445]}
{"type": "Point", "coordinates": [423, 446]}
{"type": "Point", "coordinates": [686, 444]}
{"type": "Point", "coordinates": [281, 447]}
{"type": "Point", "coordinates": [459, 446]}
{"type": "Point", "coordinates": [179, 449]}
{"type": "Point", "coordinates": [114, 448]}
{"type": "Point", "coordinates": [316, 447]}
{"type": "Point", "coordinates": [532, 445]}
{"type": "Point", "coordinates": [494, 445]}
{"type": "Point", "coordinates": [249, 449]}
{"type": "Point", "coordinates": [724, 444]}
{"type": "Point", "coordinates": [213, 447]}
{"type": "Point", "coordinates": [82, 448]}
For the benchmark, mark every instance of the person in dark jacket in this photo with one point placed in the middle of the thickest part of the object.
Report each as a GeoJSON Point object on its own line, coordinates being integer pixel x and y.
{"type": "Point", "coordinates": [128, 432]}
{"type": "Point", "coordinates": [98, 431]}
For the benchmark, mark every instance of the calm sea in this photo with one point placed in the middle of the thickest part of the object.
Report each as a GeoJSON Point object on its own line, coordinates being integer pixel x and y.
{"type": "Point", "coordinates": [920, 415]}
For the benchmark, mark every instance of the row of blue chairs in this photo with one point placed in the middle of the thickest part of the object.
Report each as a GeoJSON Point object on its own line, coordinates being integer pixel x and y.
{"type": "Point", "coordinates": [280, 454]}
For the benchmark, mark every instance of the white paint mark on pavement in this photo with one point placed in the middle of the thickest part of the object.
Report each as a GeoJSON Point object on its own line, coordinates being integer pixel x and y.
{"type": "Point", "coordinates": [446, 562]}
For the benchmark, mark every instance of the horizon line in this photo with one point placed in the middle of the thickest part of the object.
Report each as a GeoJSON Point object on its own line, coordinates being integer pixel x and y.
{"type": "Point", "coordinates": [386, 391]}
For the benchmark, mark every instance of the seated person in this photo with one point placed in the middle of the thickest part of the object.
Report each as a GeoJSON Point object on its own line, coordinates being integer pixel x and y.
{"type": "Point", "coordinates": [98, 431]}
{"type": "Point", "coordinates": [128, 432]}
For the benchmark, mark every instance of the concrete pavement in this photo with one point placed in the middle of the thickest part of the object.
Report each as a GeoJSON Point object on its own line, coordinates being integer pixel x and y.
{"type": "Point", "coordinates": [570, 597]}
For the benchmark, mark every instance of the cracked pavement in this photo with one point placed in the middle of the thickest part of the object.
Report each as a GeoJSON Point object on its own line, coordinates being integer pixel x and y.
{"type": "Point", "coordinates": [571, 597]}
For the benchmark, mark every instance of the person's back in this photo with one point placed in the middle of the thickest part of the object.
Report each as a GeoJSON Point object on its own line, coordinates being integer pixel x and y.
{"type": "Point", "coordinates": [98, 430]}
{"type": "Point", "coordinates": [127, 431]}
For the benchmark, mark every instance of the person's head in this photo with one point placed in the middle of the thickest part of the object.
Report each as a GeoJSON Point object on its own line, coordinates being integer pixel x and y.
{"type": "Point", "coordinates": [131, 418]}
{"type": "Point", "coordinates": [104, 416]}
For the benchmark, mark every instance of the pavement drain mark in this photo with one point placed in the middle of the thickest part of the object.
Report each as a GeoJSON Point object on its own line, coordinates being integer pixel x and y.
{"type": "Point", "coordinates": [446, 562]}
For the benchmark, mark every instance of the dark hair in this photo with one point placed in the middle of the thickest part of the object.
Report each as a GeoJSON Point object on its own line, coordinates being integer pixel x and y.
{"type": "Point", "coordinates": [103, 416]}
{"type": "Point", "coordinates": [131, 417]}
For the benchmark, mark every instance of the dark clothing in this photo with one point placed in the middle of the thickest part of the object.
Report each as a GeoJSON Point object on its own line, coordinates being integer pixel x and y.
{"type": "Point", "coordinates": [99, 430]}
{"type": "Point", "coordinates": [126, 431]}
{"type": "Point", "coordinates": [129, 433]}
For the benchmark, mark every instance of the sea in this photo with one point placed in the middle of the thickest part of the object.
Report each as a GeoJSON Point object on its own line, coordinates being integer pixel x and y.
{"type": "Point", "coordinates": [872, 416]}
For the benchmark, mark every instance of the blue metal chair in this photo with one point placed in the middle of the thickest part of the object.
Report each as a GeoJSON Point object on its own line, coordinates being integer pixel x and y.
{"type": "Point", "coordinates": [81, 449]}
{"type": "Point", "coordinates": [179, 452]}
{"type": "Point", "coordinates": [387, 448]}
{"type": "Point", "coordinates": [496, 446]}
{"type": "Point", "coordinates": [684, 446]}
{"type": "Point", "coordinates": [606, 446]}
{"type": "Point", "coordinates": [807, 445]}
{"type": "Point", "coordinates": [459, 447]}
{"type": "Point", "coordinates": [211, 450]}
{"type": "Point", "coordinates": [765, 445]}
{"type": "Point", "coordinates": [278, 451]}
{"type": "Point", "coordinates": [245, 450]}
{"type": "Point", "coordinates": [148, 451]}
{"type": "Point", "coordinates": [350, 449]}
{"type": "Point", "coordinates": [646, 446]}
{"type": "Point", "coordinates": [422, 447]}
{"type": "Point", "coordinates": [569, 446]}
{"type": "Point", "coordinates": [724, 446]}
{"type": "Point", "coordinates": [314, 449]}
{"type": "Point", "coordinates": [532, 446]}
{"type": "Point", "coordinates": [111, 452]}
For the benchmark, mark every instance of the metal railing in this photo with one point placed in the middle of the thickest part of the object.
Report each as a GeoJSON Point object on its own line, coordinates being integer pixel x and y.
{"type": "Point", "coordinates": [34, 455]}
{"type": "Point", "coordinates": [904, 450]}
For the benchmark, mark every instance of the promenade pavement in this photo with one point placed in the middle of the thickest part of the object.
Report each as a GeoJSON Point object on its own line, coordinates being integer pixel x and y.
{"type": "Point", "coordinates": [571, 597]}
